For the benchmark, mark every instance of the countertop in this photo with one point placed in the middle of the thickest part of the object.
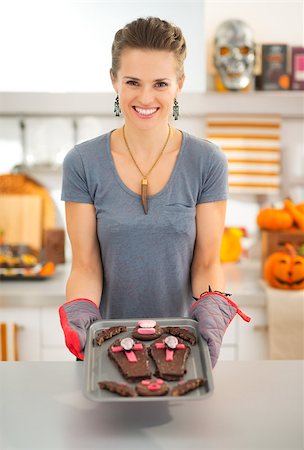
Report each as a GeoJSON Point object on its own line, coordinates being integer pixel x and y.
{"type": "Point", "coordinates": [243, 281]}
{"type": "Point", "coordinates": [255, 405]}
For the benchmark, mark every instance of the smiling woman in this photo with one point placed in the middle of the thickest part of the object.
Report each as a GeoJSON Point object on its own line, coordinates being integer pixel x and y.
{"type": "Point", "coordinates": [145, 203]}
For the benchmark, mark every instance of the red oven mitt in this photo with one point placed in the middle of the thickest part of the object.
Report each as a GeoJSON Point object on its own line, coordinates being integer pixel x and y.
{"type": "Point", "coordinates": [214, 311]}
{"type": "Point", "coordinates": [76, 317]}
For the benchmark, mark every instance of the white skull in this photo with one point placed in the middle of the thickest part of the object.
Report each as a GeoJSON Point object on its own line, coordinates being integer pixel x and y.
{"type": "Point", "coordinates": [234, 55]}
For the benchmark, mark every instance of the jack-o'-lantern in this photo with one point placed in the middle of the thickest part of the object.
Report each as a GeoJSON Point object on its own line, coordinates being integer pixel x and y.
{"type": "Point", "coordinates": [285, 269]}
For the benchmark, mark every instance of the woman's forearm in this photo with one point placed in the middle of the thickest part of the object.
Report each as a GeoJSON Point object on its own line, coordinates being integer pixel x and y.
{"type": "Point", "coordinates": [203, 276]}
{"type": "Point", "coordinates": [83, 283]}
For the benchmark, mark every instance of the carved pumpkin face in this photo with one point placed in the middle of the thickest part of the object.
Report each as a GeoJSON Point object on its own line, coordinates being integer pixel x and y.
{"type": "Point", "coordinates": [284, 270]}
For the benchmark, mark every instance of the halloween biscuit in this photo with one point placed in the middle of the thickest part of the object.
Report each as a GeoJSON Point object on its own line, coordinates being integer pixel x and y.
{"type": "Point", "coordinates": [108, 333]}
{"type": "Point", "coordinates": [131, 358]}
{"type": "Point", "coordinates": [187, 386]}
{"type": "Point", "coordinates": [146, 330]}
{"type": "Point", "coordinates": [152, 388]}
{"type": "Point", "coordinates": [118, 388]}
{"type": "Point", "coordinates": [170, 355]}
{"type": "Point", "coordinates": [183, 333]}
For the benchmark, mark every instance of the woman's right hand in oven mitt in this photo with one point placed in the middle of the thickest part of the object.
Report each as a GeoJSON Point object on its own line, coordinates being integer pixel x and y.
{"type": "Point", "coordinates": [214, 311]}
{"type": "Point", "coordinates": [76, 316]}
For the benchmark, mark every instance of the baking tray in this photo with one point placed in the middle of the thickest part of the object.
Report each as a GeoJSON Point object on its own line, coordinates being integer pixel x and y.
{"type": "Point", "coordinates": [98, 366]}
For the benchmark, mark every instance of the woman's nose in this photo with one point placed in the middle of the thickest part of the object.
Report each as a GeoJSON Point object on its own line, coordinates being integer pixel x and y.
{"type": "Point", "coordinates": [146, 96]}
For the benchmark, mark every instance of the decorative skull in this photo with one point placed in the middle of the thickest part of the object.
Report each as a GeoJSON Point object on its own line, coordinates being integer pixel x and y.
{"type": "Point", "coordinates": [234, 55]}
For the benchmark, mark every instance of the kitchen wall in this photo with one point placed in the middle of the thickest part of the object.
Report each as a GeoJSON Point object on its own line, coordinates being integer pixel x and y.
{"type": "Point", "coordinates": [52, 123]}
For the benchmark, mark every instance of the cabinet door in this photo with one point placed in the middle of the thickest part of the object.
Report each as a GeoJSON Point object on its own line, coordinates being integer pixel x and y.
{"type": "Point", "coordinates": [53, 346]}
{"type": "Point", "coordinates": [228, 350]}
{"type": "Point", "coordinates": [28, 332]}
{"type": "Point", "coordinates": [252, 336]}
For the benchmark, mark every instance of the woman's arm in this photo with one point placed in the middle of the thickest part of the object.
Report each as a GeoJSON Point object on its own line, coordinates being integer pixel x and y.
{"type": "Point", "coordinates": [206, 267]}
{"type": "Point", "coordinates": [85, 280]}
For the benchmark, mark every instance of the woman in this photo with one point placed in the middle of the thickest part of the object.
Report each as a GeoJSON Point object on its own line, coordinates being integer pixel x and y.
{"type": "Point", "coordinates": [145, 203]}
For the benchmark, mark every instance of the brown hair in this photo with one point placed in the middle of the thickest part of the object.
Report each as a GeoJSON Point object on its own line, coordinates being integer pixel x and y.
{"type": "Point", "coordinates": [150, 33]}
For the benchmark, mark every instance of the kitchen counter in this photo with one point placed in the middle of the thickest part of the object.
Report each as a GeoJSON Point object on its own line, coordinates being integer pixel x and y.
{"type": "Point", "coordinates": [255, 405]}
{"type": "Point", "coordinates": [242, 280]}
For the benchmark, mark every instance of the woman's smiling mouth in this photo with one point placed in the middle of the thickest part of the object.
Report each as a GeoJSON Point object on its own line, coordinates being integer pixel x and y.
{"type": "Point", "coordinates": [145, 112]}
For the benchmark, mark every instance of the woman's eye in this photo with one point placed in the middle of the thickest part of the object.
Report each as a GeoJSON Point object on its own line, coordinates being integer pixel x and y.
{"type": "Point", "coordinates": [132, 82]}
{"type": "Point", "coordinates": [161, 84]}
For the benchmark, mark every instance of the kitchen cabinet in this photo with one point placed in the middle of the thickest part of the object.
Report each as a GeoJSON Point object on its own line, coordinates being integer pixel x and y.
{"type": "Point", "coordinates": [28, 332]}
{"type": "Point", "coordinates": [246, 340]}
{"type": "Point", "coordinates": [52, 346]}
{"type": "Point", "coordinates": [39, 334]}
{"type": "Point", "coordinates": [252, 336]}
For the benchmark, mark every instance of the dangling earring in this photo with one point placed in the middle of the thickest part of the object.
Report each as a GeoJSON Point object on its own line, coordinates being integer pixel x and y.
{"type": "Point", "coordinates": [176, 110]}
{"type": "Point", "coordinates": [117, 109]}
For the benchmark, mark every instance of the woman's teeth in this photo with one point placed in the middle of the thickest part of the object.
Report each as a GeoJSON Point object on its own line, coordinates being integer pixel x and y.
{"type": "Point", "coordinates": [145, 112]}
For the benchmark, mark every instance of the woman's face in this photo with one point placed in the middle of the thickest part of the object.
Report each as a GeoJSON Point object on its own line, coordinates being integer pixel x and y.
{"type": "Point", "coordinates": [147, 85]}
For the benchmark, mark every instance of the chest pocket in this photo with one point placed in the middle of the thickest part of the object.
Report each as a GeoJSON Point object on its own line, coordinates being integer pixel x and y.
{"type": "Point", "coordinates": [180, 218]}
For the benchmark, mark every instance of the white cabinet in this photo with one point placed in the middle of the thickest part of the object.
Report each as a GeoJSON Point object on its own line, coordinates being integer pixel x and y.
{"type": "Point", "coordinates": [246, 340]}
{"type": "Point", "coordinates": [52, 338]}
{"type": "Point", "coordinates": [28, 332]}
{"type": "Point", "coordinates": [252, 336]}
{"type": "Point", "coordinates": [39, 334]}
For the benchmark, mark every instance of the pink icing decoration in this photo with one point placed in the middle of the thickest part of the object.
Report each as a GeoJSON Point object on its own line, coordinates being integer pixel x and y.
{"type": "Point", "coordinates": [131, 356]}
{"type": "Point", "coordinates": [146, 323]}
{"type": "Point", "coordinates": [169, 355]}
{"type": "Point", "coordinates": [154, 387]}
{"type": "Point", "coordinates": [145, 382]}
{"type": "Point", "coordinates": [117, 349]}
{"type": "Point", "coordinates": [146, 331]}
{"type": "Point", "coordinates": [159, 381]}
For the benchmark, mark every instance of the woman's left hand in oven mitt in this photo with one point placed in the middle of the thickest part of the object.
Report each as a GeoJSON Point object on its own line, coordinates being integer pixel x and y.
{"type": "Point", "coordinates": [214, 311]}
{"type": "Point", "coordinates": [76, 316]}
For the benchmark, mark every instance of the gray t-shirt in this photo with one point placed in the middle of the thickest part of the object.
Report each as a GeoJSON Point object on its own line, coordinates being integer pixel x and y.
{"type": "Point", "coordinates": [146, 258]}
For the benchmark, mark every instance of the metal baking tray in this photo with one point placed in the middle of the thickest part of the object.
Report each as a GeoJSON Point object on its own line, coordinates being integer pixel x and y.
{"type": "Point", "coordinates": [98, 366]}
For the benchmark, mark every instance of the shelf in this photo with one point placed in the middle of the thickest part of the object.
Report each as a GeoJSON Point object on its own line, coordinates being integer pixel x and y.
{"type": "Point", "coordinates": [290, 104]}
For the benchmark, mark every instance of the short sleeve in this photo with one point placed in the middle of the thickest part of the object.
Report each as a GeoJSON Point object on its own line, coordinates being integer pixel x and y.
{"type": "Point", "coordinates": [74, 181]}
{"type": "Point", "coordinates": [215, 180]}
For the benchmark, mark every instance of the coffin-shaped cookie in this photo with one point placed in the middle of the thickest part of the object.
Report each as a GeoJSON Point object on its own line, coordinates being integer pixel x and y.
{"type": "Point", "coordinates": [131, 358]}
{"type": "Point", "coordinates": [170, 355]}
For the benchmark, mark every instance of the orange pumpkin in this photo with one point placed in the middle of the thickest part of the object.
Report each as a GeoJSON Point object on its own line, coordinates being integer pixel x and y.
{"type": "Point", "coordinates": [285, 269]}
{"type": "Point", "coordinates": [295, 212]}
{"type": "Point", "coordinates": [300, 207]}
{"type": "Point", "coordinates": [274, 219]}
{"type": "Point", "coordinates": [48, 269]}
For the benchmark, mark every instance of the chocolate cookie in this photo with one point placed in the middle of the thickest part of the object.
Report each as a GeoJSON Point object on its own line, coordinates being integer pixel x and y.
{"type": "Point", "coordinates": [183, 333]}
{"type": "Point", "coordinates": [108, 333]}
{"type": "Point", "coordinates": [131, 358]}
{"type": "Point", "coordinates": [118, 388]}
{"type": "Point", "coordinates": [152, 388]}
{"type": "Point", "coordinates": [146, 330]}
{"type": "Point", "coordinates": [170, 355]}
{"type": "Point", "coordinates": [187, 386]}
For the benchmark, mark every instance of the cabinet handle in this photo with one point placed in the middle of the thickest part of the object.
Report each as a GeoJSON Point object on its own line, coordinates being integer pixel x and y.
{"type": "Point", "coordinates": [15, 342]}
{"type": "Point", "coordinates": [260, 328]}
{"type": "Point", "coordinates": [3, 342]}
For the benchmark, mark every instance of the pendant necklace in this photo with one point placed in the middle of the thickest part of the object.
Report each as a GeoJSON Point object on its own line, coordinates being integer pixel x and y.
{"type": "Point", "coordinates": [144, 181]}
